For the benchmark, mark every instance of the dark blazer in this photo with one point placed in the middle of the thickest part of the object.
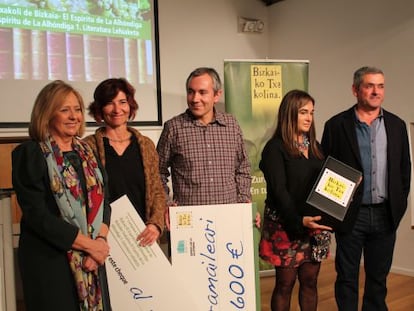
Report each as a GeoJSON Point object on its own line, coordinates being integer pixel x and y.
{"type": "Point", "coordinates": [45, 238]}
{"type": "Point", "coordinates": [339, 140]}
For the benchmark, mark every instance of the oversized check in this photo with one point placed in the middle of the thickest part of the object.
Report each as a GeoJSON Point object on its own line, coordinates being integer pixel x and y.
{"type": "Point", "coordinates": [213, 252]}
{"type": "Point", "coordinates": [139, 278]}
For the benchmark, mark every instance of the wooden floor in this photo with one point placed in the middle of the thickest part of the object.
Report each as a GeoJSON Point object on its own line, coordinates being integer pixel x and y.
{"type": "Point", "coordinates": [400, 291]}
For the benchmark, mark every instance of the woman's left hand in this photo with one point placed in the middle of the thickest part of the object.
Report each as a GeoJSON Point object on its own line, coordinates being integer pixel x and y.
{"type": "Point", "coordinates": [311, 222]}
{"type": "Point", "coordinates": [149, 235]}
{"type": "Point", "coordinates": [89, 264]}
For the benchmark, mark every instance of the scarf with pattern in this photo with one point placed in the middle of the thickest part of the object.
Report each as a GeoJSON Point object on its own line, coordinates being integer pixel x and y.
{"type": "Point", "coordinates": [83, 210]}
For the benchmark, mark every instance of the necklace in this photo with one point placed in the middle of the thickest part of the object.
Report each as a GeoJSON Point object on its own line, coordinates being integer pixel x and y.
{"type": "Point", "coordinates": [119, 140]}
{"type": "Point", "coordinates": [304, 144]}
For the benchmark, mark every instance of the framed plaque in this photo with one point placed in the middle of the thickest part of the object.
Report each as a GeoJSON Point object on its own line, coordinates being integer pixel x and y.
{"type": "Point", "coordinates": [334, 188]}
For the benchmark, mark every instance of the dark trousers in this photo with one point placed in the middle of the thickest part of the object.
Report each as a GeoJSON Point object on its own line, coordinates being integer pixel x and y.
{"type": "Point", "coordinates": [373, 237]}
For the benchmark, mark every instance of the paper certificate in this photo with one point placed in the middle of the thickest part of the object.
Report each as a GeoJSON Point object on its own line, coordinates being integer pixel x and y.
{"type": "Point", "coordinates": [139, 278]}
{"type": "Point", "coordinates": [213, 251]}
{"type": "Point", "coordinates": [335, 187]}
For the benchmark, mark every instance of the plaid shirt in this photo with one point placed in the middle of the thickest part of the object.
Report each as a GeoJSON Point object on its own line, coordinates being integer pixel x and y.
{"type": "Point", "coordinates": [209, 164]}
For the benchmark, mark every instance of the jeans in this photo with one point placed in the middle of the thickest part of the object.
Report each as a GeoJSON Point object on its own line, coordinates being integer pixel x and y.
{"type": "Point", "coordinates": [373, 237]}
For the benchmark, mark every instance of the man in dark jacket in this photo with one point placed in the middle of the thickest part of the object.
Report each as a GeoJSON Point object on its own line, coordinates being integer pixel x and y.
{"type": "Point", "coordinates": [375, 142]}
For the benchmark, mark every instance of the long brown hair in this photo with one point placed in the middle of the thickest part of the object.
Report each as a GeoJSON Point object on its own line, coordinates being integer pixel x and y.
{"type": "Point", "coordinates": [287, 122]}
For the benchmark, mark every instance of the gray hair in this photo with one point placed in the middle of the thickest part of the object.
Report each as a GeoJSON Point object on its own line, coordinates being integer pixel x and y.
{"type": "Point", "coordinates": [206, 70]}
{"type": "Point", "coordinates": [361, 72]}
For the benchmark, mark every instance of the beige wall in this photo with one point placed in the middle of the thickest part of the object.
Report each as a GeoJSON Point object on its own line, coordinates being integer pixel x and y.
{"type": "Point", "coordinates": [203, 33]}
{"type": "Point", "coordinates": [341, 36]}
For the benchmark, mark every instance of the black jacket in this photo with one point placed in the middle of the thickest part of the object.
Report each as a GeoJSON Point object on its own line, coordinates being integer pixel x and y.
{"type": "Point", "coordinates": [339, 140]}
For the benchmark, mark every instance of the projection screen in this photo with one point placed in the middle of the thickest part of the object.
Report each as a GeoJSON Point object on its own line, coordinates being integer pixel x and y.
{"type": "Point", "coordinates": [81, 42]}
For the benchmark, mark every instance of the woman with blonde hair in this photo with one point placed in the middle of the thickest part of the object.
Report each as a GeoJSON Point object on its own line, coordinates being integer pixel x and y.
{"type": "Point", "coordinates": [61, 191]}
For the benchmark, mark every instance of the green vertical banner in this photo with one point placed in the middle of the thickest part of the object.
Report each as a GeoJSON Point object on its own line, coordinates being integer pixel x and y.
{"type": "Point", "coordinates": [253, 92]}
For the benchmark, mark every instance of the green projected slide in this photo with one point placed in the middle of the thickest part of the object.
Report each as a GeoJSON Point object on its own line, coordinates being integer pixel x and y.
{"type": "Point", "coordinates": [80, 41]}
{"type": "Point", "coordinates": [107, 24]}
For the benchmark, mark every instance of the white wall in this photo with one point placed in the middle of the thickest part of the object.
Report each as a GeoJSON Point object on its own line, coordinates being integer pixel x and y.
{"type": "Point", "coordinates": [338, 37]}
{"type": "Point", "coordinates": [203, 33]}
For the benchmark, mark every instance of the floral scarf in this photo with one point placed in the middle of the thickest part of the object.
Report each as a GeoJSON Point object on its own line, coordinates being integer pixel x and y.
{"type": "Point", "coordinates": [84, 211]}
